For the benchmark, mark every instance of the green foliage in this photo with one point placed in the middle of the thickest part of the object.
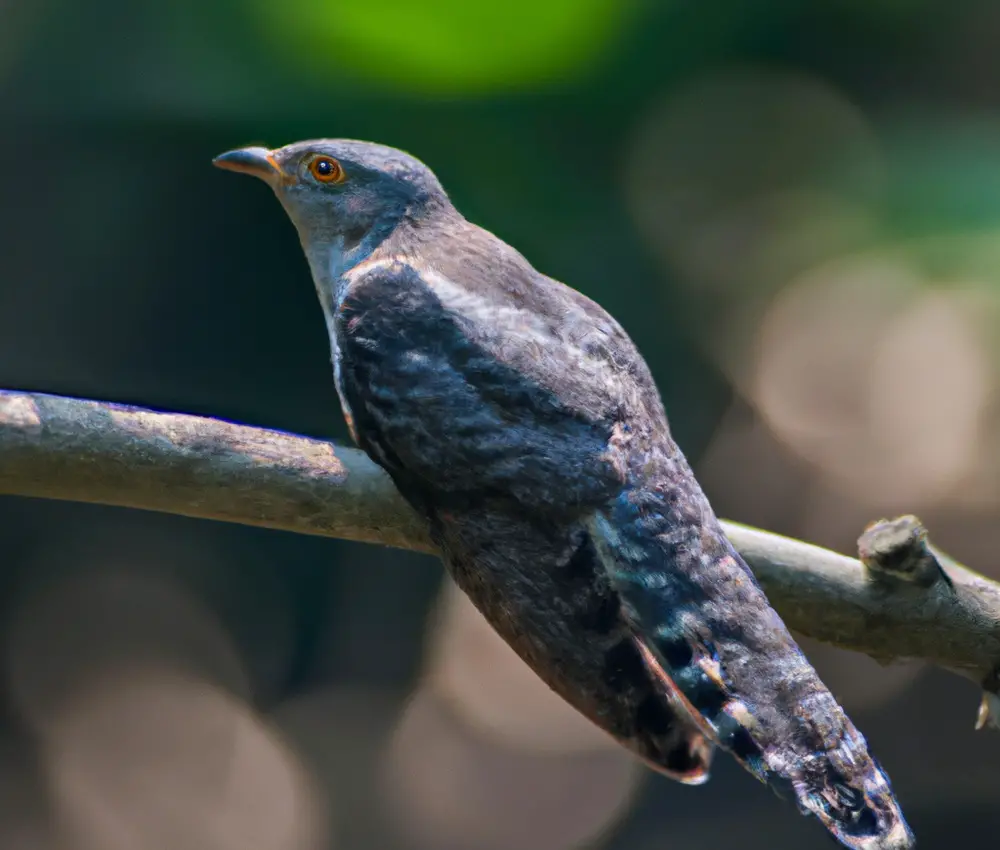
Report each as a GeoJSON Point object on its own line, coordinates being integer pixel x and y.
{"type": "Point", "coordinates": [446, 46]}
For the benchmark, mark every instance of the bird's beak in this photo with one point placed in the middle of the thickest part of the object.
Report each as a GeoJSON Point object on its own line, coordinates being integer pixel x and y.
{"type": "Point", "coordinates": [258, 162]}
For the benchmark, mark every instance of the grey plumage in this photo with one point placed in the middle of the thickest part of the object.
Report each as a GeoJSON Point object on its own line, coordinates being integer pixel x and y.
{"type": "Point", "coordinates": [518, 417]}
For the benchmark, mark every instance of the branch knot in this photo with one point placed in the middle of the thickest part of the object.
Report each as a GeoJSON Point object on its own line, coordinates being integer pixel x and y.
{"type": "Point", "coordinates": [895, 550]}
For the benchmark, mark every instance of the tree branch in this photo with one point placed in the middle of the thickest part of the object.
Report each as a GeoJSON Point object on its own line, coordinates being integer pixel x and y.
{"type": "Point", "coordinates": [902, 600]}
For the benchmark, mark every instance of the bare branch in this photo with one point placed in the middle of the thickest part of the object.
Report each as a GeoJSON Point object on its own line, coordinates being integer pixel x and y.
{"type": "Point", "coordinates": [905, 601]}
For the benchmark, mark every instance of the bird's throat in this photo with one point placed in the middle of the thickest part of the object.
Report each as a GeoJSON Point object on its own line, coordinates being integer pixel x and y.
{"type": "Point", "coordinates": [330, 261]}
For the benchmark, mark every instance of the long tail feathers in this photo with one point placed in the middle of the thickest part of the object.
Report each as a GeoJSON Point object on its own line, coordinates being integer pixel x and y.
{"type": "Point", "coordinates": [706, 632]}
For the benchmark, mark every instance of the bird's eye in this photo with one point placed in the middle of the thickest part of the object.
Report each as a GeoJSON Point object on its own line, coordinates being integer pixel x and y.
{"type": "Point", "coordinates": [326, 170]}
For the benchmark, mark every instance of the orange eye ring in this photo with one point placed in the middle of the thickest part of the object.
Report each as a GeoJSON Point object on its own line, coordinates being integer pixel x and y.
{"type": "Point", "coordinates": [326, 169]}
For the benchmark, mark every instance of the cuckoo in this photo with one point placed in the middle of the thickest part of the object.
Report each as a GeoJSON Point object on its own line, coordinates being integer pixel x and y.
{"type": "Point", "coordinates": [519, 419]}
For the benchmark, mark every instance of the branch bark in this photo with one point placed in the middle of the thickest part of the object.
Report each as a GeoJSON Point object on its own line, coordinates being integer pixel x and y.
{"type": "Point", "coordinates": [902, 600]}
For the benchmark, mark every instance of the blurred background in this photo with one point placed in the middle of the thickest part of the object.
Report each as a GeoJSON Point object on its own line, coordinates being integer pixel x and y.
{"type": "Point", "coordinates": [794, 209]}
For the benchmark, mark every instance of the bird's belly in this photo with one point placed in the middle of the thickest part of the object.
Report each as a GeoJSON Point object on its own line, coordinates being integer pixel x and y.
{"type": "Point", "coordinates": [571, 664]}
{"type": "Point", "coordinates": [558, 613]}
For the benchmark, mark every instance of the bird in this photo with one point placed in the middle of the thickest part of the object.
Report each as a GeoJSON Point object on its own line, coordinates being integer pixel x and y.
{"type": "Point", "coordinates": [519, 419]}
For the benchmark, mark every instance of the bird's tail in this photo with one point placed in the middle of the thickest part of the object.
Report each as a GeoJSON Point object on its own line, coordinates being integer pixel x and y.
{"type": "Point", "coordinates": [708, 634]}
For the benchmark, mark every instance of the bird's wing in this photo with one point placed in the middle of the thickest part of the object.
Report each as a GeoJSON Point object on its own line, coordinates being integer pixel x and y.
{"type": "Point", "coordinates": [440, 410]}
{"type": "Point", "coordinates": [454, 425]}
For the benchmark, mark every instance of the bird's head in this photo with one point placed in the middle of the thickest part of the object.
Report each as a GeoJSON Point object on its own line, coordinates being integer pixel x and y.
{"type": "Point", "coordinates": [341, 194]}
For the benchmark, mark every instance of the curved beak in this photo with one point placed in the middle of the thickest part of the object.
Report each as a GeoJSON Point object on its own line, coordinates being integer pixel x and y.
{"type": "Point", "coordinates": [258, 162]}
